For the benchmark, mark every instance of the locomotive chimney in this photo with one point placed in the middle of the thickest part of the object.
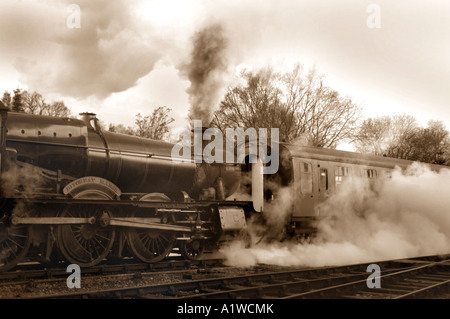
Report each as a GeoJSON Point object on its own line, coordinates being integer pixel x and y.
{"type": "Point", "coordinates": [89, 119]}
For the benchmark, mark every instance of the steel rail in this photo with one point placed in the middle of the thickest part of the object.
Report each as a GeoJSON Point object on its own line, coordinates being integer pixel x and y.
{"type": "Point", "coordinates": [54, 272]}
{"type": "Point", "coordinates": [425, 290]}
{"type": "Point", "coordinates": [361, 284]}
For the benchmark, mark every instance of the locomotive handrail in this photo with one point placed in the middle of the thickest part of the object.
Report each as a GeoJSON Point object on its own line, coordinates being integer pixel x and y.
{"type": "Point", "coordinates": [81, 147]}
{"type": "Point", "coordinates": [46, 143]}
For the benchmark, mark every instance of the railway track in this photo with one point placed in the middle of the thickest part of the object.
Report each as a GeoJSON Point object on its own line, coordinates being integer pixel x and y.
{"type": "Point", "coordinates": [32, 279]}
{"type": "Point", "coordinates": [404, 278]}
{"type": "Point", "coordinates": [36, 271]}
{"type": "Point", "coordinates": [431, 279]}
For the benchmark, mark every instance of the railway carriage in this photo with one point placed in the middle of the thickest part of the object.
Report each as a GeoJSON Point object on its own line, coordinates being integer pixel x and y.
{"type": "Point", "coordinates": [316, 173]}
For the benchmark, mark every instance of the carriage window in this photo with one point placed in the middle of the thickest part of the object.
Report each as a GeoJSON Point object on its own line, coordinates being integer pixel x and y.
{"type": "Point", "coordinates": [306, 168]}
{"type": "Point", "coordinates": [340, 173]}
{"type": "Point", "coordinates": [306, 181]}
{"type": "Point", "coordinates": [323, 179]}
{"type": "Point", "coordinates": [369, 173]}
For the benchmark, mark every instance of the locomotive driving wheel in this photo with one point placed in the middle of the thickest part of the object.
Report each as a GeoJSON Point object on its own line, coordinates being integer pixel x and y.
{"type": "Point", "coordinates": [86, 244]}
{"type": "Point", "coordinates": [14, 243]}
{"type": "Point", "coordinates": [192, 249]}
{"type": "Point", "coordinates": [151, 245]}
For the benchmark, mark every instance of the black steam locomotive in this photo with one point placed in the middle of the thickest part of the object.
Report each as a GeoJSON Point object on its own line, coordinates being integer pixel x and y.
{"type": "Point", "coordinates": [73, 192]}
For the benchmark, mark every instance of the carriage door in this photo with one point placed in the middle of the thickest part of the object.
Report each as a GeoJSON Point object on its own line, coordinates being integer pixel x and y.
{"type": "Point", "coordinates": [304, 205]}
{"type": "Point", "coordinates": [323, 184]}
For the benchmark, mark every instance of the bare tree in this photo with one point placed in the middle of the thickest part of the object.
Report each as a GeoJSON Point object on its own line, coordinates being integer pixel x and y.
{"type": "Point", "coordinates": [156, 125]}
{"type": "Point", "coordinates": [385, 134]}
{"type": "Point", "coordinates": [257, 104]}
{"type": "Point", "coordinates": [298, 104]}
{"type": "Point", "coordinates": [57, 108]}
{"type": "Point", "coordinates": [34, 103]}
{"type": "Point", "coordinates": [120, 128]}
{"type": "Point", "coordinates": [400, 136]}
{"type": "Point", "coordinates": [429, 144]}
{"type": "Point", "coordinates": [436, 140]}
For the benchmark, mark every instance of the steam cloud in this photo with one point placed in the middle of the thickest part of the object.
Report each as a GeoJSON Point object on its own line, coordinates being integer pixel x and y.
{"type": "Point", "coordinates": [24, 177]}
{"type": "Point", "coordinates": [407, 216]}
{"type": "Point", "coordinates": [206, 71]}
{"type": "Point", "coordinates": [107, 54]}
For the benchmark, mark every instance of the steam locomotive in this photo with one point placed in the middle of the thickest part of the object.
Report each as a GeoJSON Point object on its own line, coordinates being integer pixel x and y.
{"type": "Point", "coordinates": [73, 192]}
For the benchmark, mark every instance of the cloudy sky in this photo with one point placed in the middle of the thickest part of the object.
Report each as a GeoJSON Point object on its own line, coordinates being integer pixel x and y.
{"type": "Point", "coordinates": [118, 58]}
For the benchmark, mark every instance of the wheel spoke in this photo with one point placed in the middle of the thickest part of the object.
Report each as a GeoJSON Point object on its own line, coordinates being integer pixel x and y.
{"type": "Point", "coordinates": [18, 235]}
{"type": "Point", "coordinates": [14, 242]}
{"type": "Point", "coordinates": [10, 248]}
{"type": "Point", "coordinates": [103, 237]}
{"type": "Point", "coordinates": [100, 243]}
{"type": "Point", "coordinates": [147, 242]}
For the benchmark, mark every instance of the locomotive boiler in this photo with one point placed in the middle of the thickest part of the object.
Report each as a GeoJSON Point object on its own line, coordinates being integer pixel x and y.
{"type": "Point", "coordinates": [80, 148]}
{"type": "Point", "coordinates": [75, 192]}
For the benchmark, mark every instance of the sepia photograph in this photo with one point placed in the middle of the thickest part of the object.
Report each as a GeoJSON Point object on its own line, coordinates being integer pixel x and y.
{"type": "Point", "coordinates": [245, 153]}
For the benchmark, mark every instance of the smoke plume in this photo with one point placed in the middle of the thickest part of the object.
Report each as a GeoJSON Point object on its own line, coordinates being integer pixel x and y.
{"type": "Point", "coordinates": [406, 216]}
{"type": "Point", "coordinates": [206, 71]}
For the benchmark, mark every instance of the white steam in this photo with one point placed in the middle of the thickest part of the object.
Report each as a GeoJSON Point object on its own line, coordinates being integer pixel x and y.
{"type": "Point", "coordinates": [109, 52]}
{"type": "Point", "coordinates": [407, 216]}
